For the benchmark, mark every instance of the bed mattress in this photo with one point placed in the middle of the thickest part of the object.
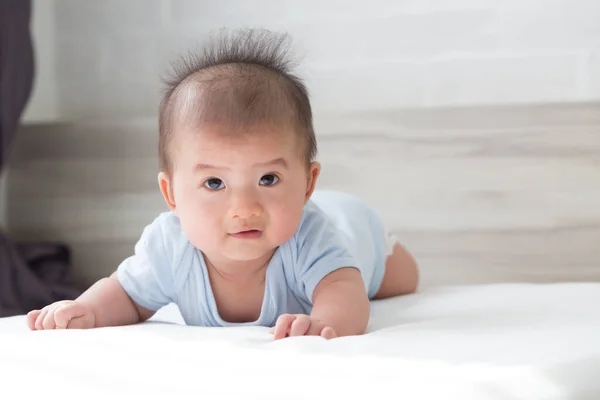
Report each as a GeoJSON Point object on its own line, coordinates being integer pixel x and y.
{"type": "Point", "coordinates": [503, 341]}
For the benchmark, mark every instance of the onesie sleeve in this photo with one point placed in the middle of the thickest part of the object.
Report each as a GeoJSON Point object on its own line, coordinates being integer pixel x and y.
{"type": "Point", "coordinates": [147, 275]}
{"type": "Point", "coordinates": [320, 251]}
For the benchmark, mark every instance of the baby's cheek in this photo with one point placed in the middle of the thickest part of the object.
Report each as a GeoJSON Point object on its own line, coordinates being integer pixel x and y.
{"type": "Point", "coordinates": [285, 224]}
{"type": "Point", "coordinates": [200, 228]}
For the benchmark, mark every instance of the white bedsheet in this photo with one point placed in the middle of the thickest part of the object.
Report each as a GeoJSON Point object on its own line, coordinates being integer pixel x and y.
{"type": "Point", "coordinates": [480, 342]}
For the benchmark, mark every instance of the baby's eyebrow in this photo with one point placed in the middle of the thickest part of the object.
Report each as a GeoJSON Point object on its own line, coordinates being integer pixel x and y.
{"type": "Point", "coordinates": [208, 166]}
{"type": "Point", "coordinates": [278, 161]}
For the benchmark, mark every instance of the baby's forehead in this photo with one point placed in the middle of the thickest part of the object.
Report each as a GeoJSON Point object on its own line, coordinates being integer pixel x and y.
{"type": "Point", "coordinates": [256, 146]}
{"type": "Point", "coordinates": [264, 136]}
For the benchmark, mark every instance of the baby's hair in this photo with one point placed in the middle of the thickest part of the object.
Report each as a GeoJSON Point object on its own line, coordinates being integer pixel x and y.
{"type": "Point", "coordinates": [237, 80]}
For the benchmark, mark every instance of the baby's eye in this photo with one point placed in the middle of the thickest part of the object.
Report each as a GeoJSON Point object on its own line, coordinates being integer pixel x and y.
{"type": "Point", "coordinates": [269, 180]}
{"type": "Point", "coordinates": [214, 184]}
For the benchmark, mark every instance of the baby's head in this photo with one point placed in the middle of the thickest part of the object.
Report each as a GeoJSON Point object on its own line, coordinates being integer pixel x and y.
{"type": "Point", "coordinates": [237, 146]}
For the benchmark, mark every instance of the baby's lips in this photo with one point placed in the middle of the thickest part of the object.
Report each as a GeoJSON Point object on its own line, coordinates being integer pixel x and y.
{"type": "Point", "coordinates": [247, 234]}
{"type": "Point", "coordinates": [242, 230]}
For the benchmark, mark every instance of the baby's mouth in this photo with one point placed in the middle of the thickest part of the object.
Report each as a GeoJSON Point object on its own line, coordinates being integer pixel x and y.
{"type": "Point", "coordinates": [247, 234]}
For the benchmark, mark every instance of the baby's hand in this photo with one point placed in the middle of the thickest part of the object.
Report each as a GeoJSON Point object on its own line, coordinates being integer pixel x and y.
{"type": "Point", "coordinates": [65, 314]}
{"type": "Point", "coordinates": [300, 325]}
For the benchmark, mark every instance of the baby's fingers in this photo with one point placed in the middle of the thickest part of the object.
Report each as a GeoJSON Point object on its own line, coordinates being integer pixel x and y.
{"type": "Point", "coordinates": [73, 316]}
{"type": "Point", "coordinates": [300, 325]}
{"type": "Point", "coordinates": [48, 322]}
{"type": "Point", "coordinates": [328, 333]}
{"type": "Point", "coordinates": [40, 319]}
{"type": "Point", "coordinates": [282, 327]}
{"type": "Point", "coordinates": [32, 316]}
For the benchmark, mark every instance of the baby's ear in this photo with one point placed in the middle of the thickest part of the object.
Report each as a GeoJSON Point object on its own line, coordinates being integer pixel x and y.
{"type": "Point", "coordinates": [166, 188]}
{"type": "Point", "coordinates": [314, 170]}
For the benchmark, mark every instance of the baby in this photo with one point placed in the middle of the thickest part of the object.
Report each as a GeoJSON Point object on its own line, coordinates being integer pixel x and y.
{"type": "Point", "coordinates": [247, 240]}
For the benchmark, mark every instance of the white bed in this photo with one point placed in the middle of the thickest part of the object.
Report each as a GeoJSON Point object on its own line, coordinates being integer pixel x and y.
{"type": "Point", "coordinates": [506, 341]}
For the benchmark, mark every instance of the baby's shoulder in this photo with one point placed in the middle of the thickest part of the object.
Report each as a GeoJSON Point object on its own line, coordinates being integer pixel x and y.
{"type": "Point", "coordinates": [164, 237]}
{"type": "Point", "coordinates": [316, 233]}
{"type": "Point", "coordinates": [313, 219]}
{"type": "Point", "coordinates": [331, 210]}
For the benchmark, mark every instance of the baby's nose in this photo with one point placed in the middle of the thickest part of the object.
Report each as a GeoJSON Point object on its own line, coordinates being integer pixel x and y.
{"type": "Point", "coordinates": [245, 206]}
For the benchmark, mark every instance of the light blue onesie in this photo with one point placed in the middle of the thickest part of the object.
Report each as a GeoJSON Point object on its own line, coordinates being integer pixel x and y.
{"type": "Point", "coordinates": [337, 230]}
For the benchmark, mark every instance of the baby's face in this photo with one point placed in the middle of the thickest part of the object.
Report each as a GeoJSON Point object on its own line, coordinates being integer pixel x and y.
{"type": "Point", "coordinates": [239, 197]}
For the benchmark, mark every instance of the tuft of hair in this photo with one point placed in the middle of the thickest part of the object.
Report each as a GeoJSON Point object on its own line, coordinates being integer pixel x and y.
{"type": "Point", "coordinates": [236, 80]}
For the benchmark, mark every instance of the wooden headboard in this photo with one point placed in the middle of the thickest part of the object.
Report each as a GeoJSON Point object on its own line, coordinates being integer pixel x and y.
{"type": "Point", "coordinates": [478, 195]}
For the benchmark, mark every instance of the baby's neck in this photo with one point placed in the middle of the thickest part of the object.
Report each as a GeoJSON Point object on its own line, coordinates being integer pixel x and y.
{"type": "Point", "coordinates": [238, 287]}
{"type": "Point", "coordinates": [239, 272]}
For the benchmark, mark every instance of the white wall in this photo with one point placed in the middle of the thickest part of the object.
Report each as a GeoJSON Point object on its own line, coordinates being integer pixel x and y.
{"type": "Point", "coordinates": [519, 201]}
{"type": "Point", "coordinates": [43, 104]}
{"type": "Point", "coordinates": [375, 54]}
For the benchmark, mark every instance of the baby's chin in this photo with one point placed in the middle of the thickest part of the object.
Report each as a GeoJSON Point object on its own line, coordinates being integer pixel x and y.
{"type": "Point", "coordinates": [248, 253]}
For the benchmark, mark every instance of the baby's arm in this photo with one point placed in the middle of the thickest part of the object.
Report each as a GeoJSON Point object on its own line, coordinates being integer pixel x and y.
{"type": "Point", "coordinates": [143, 282]}
{"type": "Point", "coordinates": [111, 304]}
{"type": "Point", "coordinates": [340, 301]}
{"type": "Point", "coordinates": [104, 304]}
{"type": "Point", "coordinates": [341, 307]}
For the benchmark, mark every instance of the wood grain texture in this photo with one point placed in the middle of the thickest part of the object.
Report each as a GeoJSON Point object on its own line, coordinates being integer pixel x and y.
{"type": "Point", "coordinates": [478, 195]}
